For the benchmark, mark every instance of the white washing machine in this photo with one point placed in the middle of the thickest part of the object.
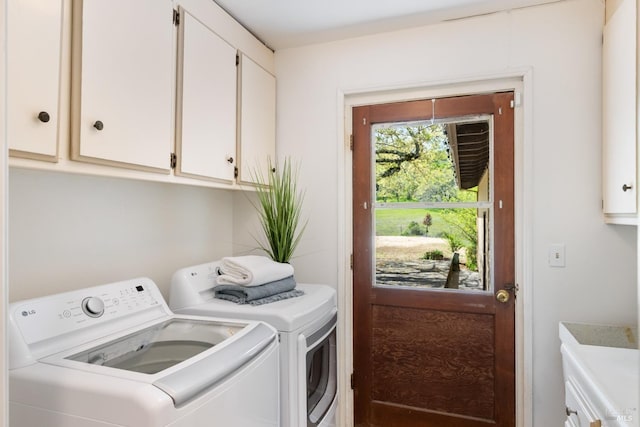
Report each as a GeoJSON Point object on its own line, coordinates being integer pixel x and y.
{"type": "Point", "coordinates": [115, 355]}
{"type": "Point", "coordinates": [307, 330]}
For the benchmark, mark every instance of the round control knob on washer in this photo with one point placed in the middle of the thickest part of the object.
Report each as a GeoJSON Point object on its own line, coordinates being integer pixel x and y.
{"type": "Point", "coordinates": [93, 306]}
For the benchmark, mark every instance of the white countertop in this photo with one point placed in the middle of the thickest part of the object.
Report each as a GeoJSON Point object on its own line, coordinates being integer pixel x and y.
{"type": "Point", "coordinates": [611, 369]}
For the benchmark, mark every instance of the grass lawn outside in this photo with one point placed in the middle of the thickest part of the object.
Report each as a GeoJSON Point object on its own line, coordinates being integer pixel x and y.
{"type": "Point", "coordinates": [392, 222]}
{"type": "Point", "coordinates": [390, 244]}
{"type": "Point", "coordinates": [400, 259]}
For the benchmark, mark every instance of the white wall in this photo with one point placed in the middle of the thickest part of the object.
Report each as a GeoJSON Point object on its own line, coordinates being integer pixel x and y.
{"type": "Point", "coordinates": [4, 421]}
{"type": "Point", "coordinates": [73, 231]}
{"type": "Point", "coordinates": [561, 46]}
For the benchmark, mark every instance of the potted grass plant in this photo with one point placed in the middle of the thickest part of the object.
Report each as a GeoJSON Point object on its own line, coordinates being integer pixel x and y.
{"type": "Point", "coordinates": [279, 208]}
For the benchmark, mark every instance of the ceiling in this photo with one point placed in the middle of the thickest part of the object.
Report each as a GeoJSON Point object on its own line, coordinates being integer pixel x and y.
{"type": "Point", "coordinates": [283, 24]}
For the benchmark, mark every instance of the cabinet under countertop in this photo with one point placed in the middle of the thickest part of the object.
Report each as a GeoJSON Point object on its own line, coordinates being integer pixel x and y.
{"type": "Point", "coordinates": [600, 368]}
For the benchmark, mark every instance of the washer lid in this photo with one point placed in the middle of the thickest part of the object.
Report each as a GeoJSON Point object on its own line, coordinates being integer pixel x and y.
{"type": "Point", "coordinates": [285, 315]}
{"type": "Point", "coordinates": [182, 356]}
{"type": "Point", "coordinates": [158, 347]}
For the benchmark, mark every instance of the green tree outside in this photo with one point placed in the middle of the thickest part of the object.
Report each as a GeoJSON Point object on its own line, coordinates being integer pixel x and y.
{"type": "Point", "coordinates": [413, 165]}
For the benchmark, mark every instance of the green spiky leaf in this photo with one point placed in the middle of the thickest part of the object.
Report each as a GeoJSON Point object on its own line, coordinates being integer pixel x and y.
{"type": "Point", "coordinates": [279, 207]}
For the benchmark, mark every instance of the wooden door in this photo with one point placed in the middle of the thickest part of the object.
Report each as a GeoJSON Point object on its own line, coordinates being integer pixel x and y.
{"type": "Point", "coordinates": [436, 353]}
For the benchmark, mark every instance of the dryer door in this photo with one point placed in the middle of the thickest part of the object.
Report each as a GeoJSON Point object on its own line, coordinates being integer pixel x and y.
{"type": "Point", "coordinates": [321, 376]}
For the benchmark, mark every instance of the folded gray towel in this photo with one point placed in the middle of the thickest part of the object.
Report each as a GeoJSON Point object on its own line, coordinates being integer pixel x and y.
{"type": "Point", "coordinates": [266, 300]}
{"type": "Point", "coordinates": [277, 297]}
{"type": "Point", "coordinates": [245, 294]}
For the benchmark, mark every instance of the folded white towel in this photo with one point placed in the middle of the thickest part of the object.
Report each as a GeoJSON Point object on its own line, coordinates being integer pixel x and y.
{"type": "Point", "coordinates": [252, 270]}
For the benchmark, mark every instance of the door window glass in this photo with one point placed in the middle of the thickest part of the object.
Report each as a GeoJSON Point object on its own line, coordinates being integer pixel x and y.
{"type": "Point", "coordinates": [433, 202]}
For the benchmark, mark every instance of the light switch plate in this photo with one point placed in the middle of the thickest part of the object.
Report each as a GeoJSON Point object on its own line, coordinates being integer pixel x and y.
{"type": "Point", "coordinates": [556, 255]}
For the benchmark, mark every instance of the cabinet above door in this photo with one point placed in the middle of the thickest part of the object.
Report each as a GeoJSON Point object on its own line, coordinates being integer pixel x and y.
{"type": "Point", "coordinates": [122, 83]}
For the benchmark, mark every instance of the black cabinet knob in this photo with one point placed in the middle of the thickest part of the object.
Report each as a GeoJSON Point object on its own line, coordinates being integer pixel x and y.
{"type": "Point", "coordinates": [626, 187]}
{"type": "Point", "coordinates": [230, 160]}
{"type": "Point", "coordinates": [273, 170]}
{"type": "Point", "coordinates": [43, 116]}
{"type": "Point", "coordinates": [98, 125]}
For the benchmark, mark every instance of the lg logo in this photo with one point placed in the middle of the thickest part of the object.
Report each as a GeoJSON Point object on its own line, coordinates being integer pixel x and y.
{"type": "Point", "coordinates": [26, 313]}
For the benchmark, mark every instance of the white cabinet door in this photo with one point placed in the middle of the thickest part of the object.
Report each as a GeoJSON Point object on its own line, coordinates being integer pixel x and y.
{"type": "Point", "coordinates": [257, 117]}
{"type": "Point", "coordinates": [619, 111]}
{"type": "Point", "coordinates": [206, 125]}
{"type": "Point", "coordinates": [578, 409]}
{"type": "Point", "coordinates": [123, 73]}
{"type": "Point", "coordinates": [33, 75]}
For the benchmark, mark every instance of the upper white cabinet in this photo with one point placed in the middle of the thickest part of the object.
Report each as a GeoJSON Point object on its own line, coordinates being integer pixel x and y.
{"type": "Point", "coordinates": [257, 119]}
{"type": "Point", "coordinates": [206, 119]}
{"type": "Point", "coordinates": [33, 72]}
{"type": "Point", "coordinates": [620, 199]}
{"type": "Point", "coordinates": [140, 89]}
{"type": "Point", "coordinates": [123, 71]}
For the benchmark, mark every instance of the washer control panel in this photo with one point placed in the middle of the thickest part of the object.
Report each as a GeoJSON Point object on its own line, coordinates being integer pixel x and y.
{"type": "Point", "coordinates": [47, 317]}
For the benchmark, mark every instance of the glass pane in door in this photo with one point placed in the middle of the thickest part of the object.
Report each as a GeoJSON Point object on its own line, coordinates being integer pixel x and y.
{"type": "Point", "coordinates": [433, 204]}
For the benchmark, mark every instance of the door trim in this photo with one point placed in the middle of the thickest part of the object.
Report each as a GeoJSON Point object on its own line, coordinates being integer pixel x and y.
{"type": "Point", "coordinates": [519, 81]}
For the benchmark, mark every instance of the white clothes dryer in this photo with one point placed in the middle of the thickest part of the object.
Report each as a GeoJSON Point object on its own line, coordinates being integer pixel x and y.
{"type": "Point", "coordinates": [307, 331]}
{"type": "Point", "coordinates": [115, 355]}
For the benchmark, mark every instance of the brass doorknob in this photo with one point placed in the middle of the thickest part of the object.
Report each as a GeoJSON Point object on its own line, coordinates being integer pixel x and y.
{"type": "Point", "coordinates": [502, 296]}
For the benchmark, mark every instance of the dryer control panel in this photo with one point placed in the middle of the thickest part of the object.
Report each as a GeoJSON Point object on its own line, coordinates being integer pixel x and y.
{"type": "Point", "coordinates": [41, 319]}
